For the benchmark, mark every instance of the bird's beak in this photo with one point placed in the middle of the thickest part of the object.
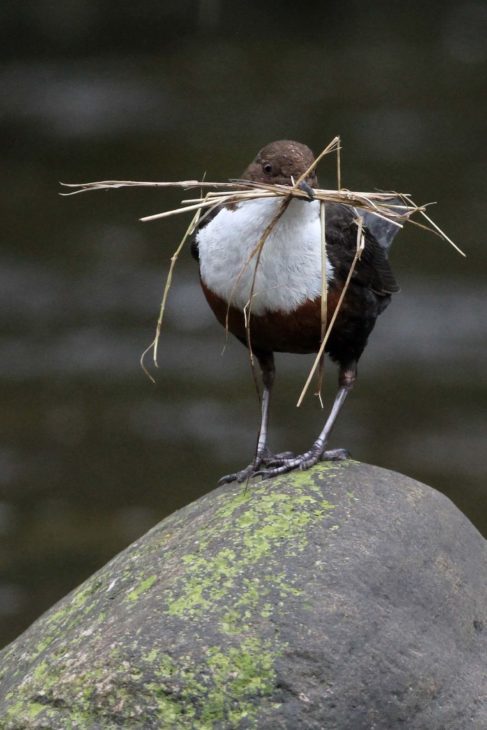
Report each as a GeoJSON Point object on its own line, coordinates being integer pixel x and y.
{"type": "Point", "coordinates": [306, 188]}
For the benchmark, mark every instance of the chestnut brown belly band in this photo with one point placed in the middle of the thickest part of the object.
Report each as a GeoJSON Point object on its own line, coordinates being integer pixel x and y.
{"type": "Point", "coordinates": [298, 331]}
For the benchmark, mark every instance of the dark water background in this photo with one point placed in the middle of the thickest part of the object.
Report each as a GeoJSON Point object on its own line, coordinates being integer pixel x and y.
{"type": "Point", "coordinates": [91, 454]}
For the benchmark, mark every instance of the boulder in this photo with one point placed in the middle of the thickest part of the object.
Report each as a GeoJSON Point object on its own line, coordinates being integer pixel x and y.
{"type": "Point", "coordinates": [344, 597]}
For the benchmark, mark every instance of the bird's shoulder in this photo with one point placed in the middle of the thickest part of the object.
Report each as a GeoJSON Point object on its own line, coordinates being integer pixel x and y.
{"type": "Point", "coordinates": [372, 269]}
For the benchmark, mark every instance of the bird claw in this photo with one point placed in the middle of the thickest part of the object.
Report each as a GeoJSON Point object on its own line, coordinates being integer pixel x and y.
{"type": "Point", "coordinates": [303, 462]}
{"type": "Point", "coordinates": [335, 455]}
{"type": "Point", "coordinates": [267, 460]}
{"type": "Point", "coordinates": [271, 465]}
{"type": "Point", "coordinates": [239, 476]}
{"type": "Point", "coordinates": [277, 459]}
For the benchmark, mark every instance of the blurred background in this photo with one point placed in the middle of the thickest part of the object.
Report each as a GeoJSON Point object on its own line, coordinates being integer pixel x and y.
{"type": "Point", "coordinates": [91, 453]}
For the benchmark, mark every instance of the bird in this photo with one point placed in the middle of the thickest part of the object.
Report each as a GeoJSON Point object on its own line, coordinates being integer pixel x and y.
{"type": "Point", "coordinates": [286, 285]}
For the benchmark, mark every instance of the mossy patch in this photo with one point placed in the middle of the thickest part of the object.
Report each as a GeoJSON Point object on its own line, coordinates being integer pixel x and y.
{"type": "Point", "coordinates": [254, 523]}
{"type": "Point", "coordinates": [220, 692]}
{"type": "Point", "coordinates": [143, 586]}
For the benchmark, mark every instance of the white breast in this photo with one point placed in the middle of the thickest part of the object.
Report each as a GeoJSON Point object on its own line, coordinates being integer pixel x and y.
{"type": "Point", "coordinates": [289, 271]}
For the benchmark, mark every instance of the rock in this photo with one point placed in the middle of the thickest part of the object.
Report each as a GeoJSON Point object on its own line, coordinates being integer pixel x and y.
{"type": "Point", "coordinates": [345, 597]}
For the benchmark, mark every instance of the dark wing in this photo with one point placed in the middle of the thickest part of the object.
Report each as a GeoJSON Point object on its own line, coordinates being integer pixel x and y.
{"type": "Point", "coordinates": [373, 269]}
{"type": "Point", "coordinates": [381, 229]}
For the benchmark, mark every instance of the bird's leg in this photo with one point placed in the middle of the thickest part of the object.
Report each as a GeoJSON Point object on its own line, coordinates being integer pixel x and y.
{"type": "Point", "coordinates": [263, 457]}
{"type": "Point", "coordinates": [268, 370]}
{"type": "Point", "coordinates": [318, 452]}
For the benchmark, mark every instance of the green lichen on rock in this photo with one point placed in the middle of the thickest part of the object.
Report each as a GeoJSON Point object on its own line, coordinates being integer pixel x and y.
{"type": "Point", "coordinates": [142, 587]}
{"type": "Point", "coordinates": [204, 578]}
{"type": "Point", "coordinates": [268, 606]}
{"type": "Point", "coordinates": [224, 692]}
{"type": "Point", "coordinates": [258, 521]}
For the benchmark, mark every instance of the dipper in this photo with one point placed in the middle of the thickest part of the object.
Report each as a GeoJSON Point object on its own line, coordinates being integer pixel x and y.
{"type": "Point", "coordinates": [286, 301]}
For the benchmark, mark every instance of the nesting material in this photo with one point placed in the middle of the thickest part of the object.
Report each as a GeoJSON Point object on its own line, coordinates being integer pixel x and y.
{"type": "Point", "coordinates": [381, 204]}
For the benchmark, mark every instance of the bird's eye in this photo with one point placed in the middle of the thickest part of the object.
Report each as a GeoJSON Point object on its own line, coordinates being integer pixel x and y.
{"type": "Point", "coordinates": [267, 167]}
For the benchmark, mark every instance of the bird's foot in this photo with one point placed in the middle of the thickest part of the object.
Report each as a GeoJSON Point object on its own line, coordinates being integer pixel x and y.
{"type": "Point", "coordinates": [265, 461]}
{"type": "Point", "coordinates": [335, 455]}
{"type": "Point", "coordinates": [302, 462]}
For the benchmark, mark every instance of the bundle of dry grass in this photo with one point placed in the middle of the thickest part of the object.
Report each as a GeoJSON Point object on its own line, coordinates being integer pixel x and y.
{"type": "Point", "coordinates": [381, 204]}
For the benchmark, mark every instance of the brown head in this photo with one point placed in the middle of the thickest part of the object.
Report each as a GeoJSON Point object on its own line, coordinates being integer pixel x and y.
{"type": "Point", "coordinates": [278, 161]}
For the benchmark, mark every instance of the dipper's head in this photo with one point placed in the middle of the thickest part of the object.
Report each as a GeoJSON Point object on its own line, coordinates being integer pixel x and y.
{"type": "Point", "coordinates": [280, 161]}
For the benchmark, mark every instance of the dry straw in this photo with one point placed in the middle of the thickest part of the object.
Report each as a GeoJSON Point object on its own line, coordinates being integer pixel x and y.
{"type": "Point", "coordinates": [381, 204]}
